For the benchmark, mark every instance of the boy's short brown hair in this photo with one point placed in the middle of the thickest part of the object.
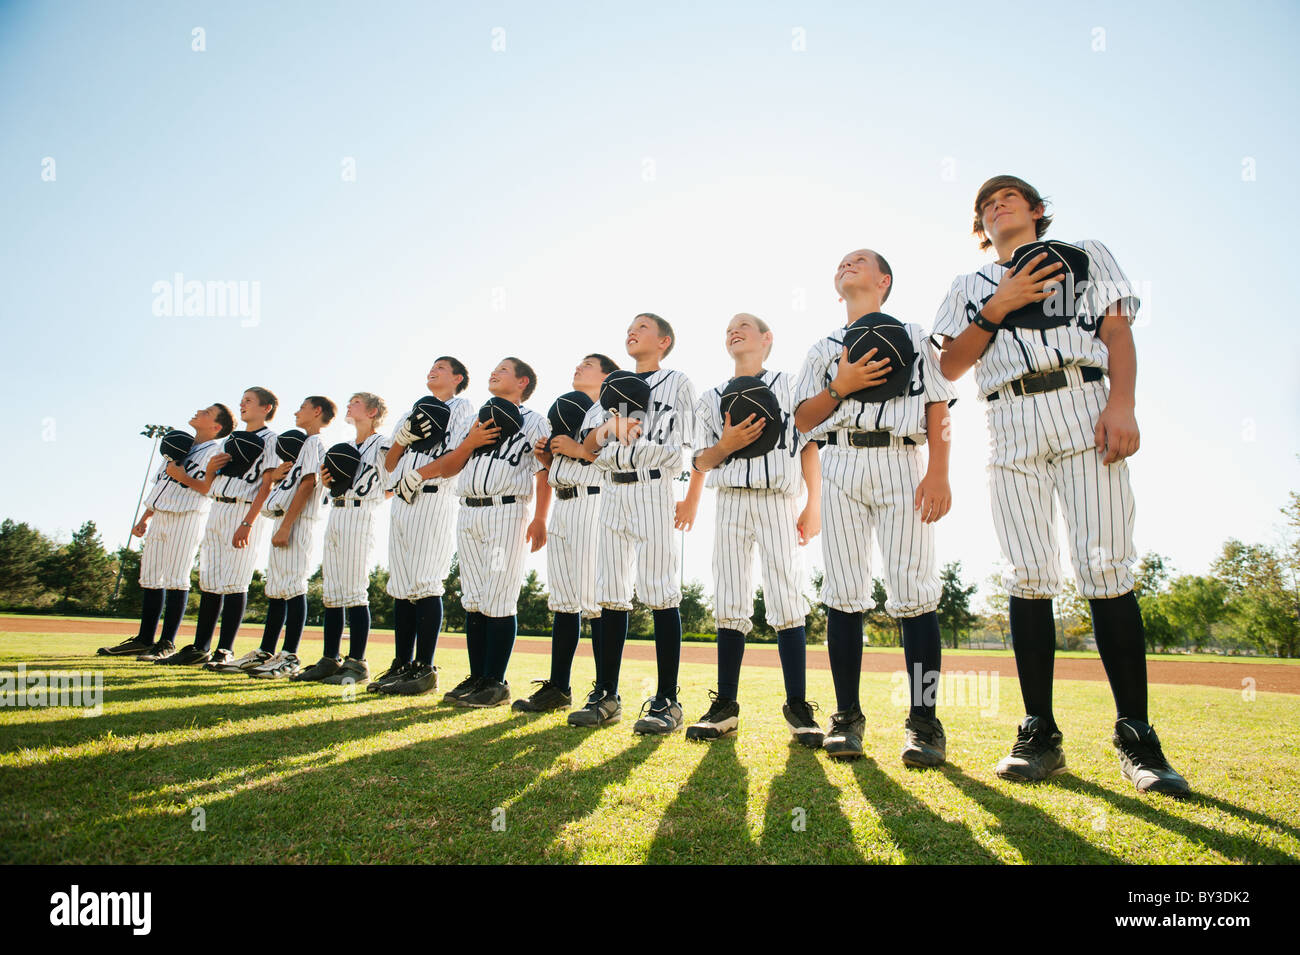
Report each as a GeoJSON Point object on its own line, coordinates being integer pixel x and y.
{"type": "Point", "coordinates": [326, 407]}
{"type": "Point", "coordinates": [225, 420]}
{"type": "Point", "coordinates": [997, 184]}
{"type": "Point", "coordinates": [457, 368]}
{"type": "Point", "coordinates": [607, 364]}
{"type": "Point", "coordinates": [525, 370]}
{"type": "Point", "coordinates": [665, 331]}
{"type": "Point", "coordinates": [264, 398]}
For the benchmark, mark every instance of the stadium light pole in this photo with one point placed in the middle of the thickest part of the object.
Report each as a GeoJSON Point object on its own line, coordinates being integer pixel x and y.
{"type": "Point", "coordinates": [155, 431]}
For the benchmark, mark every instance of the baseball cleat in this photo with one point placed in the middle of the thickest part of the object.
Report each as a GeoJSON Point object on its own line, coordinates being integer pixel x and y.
{"type": "Point", "coordinates": [158, 652]}
{"type": "Point", "coordinates": [417, 678]}
{"type": "Point", "coordinates": [924, 743]}
{"type": "Point", "coordinates": [397, 670]}
{"type": "Point", "coordinates": [133, 647]}
{"type": "Point", "coordinates": [1142, 762]}
{"type": "Point", "coordinates": [219, 658]}
{"type": "Point", "coordinates": [278, 667]}
{"type": "Point", "coordinates": [799, 717]}
{"type": "Point", "coordinates": [545, 698]}
{"type": "Point", "coordinates": [844, 741]}
{"type": "Point", "coordinates": [352, 671]}
{"type": "Point", "coordinates": [722, 718]}
{"type": "Point", "coordinates": [659, 717]}
{"type": "Point", "coordinates": [488, 693]}
{"type": "Point", "coordinates": [322, 668]}
{"type": "Point", "coordinates": [186, 657]}
{"type": "Point", "coordinates": [251, 659]}
{"type": "Point", "coordinates": [601, 709]}
{"type": "Point", "coordinates": [1036, 754]}
{"type": "Point", "coordinates": [461, 690]}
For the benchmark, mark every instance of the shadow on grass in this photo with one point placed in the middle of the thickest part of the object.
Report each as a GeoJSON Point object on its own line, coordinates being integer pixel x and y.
{"type": "Point", "coordinates": [707, 820]}
{"type": "Point", "coordinates": [1038, 837]}
{"type": "Point", "coordinates": [919, 833]}
{"type": "Point", "coordinates": [803, 822]}
{"type": "Point", "coordinates": [1151, 809]}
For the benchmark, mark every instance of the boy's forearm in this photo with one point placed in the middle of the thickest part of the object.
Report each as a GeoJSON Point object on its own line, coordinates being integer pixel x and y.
{"type": "Point", "coordinates": [542, 497]}
{"type": "Point", "coordinates": [938, 437]}
{"type": "Point", "coordinates": [1117, 336]}
{"type": "Point", "coordinates": [708, 459]}
{"type": "Point", "coordinates": [960, 354]}
{"type": "Point", "coordinates": [263, 492]}
{"type": "Point", "coordinates": [813, 411]}
{"type": "Point", "coordinates": [811, 464]}
{"type": "Point", "coordinates": [393, 456]}
{"type": "Point", "coordinates": [300, 498]}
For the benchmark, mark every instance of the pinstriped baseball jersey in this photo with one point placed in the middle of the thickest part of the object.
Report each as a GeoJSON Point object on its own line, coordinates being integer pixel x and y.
{"type": "Point", "coordinates": [246, 486]}
{"type": "Point", "coordinates": [779, 469]}
{"type": "Point", "coordinates": [172, 496]}
{"type": "Point", "coordinates": [508, 468]}
{"type": "Point", "coordinates": [310, 458]}
{"type": "Point", "coordinates": [459, 423]}
{"type": "Point", "coordinates": [668, 429]}
{"type": "Point", "coordinates": [904, 415]}
{"type": "Point", "coordinates": [368, 486]}
{"type": "Point", "coordinates": [573, 472]}
{"type": "Point", "coordinates": [1016, 352]}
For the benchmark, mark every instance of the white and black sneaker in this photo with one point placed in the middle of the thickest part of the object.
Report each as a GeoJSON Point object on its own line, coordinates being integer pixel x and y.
{"type": "Point", "coordinates": [601, 709]}
{"type": "Point", "coordinates": [924, 742]}
{"type": "Point", "coordinates": [722, 718]}
{"type": "Point", "coordinates": [251, 659]}
{"type": "Point", "coordinates": [278, 667]}
{"type": "Point", "coordinates": [219, 658]}
{"type": "Point", "coordinates": [803, 727]}
{"type": "Point", "coordinates": [133, 647]}
{"type": "Point", "coordinates": [844, 741]}
{"type": "Point", "coordinates": [659, 717]}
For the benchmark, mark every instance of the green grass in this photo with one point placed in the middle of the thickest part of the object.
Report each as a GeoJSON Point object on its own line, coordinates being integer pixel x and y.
{"type": "Point", "coordinates": [299, 773]}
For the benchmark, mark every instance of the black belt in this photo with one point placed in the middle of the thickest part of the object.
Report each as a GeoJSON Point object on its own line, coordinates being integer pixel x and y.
{"type": "Point", "coordinates": [229, 500]}
{"type": "Point", "coordinates": [428, 489]}
{"type": "Point", "coordinates": [1044, 381]}
{"type": "Point", "coordinates": [569, 493]}
{"type": "Point", "coordinates": [631, 477]}
{"type": "Point", "coordinates": [488, 501]}
{"type": "Point", "coordinates": [344, 502]}
{"type": "Point", "coordinates": [865, 439]}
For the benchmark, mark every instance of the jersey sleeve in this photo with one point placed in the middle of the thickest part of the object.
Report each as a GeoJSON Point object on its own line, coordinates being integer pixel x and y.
{"type": "Point", "coordinates": [539, 428]}
{"type": "Point", "coordinates": [686, 402]}
{"type": "Point", "coordinates": [310, 457]}
{"type": "Point", "coordinates": [1107, 283]}
{"type": "Point", "coordinates": [784, 390]}
{"type": "Point", "coordinates": [812, 376]}
{"type": "Point", "coordinates": [708, 424]}
{"type": "Point", "coordinates": [459, 424]}
{"type": "Point", "coordinates": [935, 387]}
{"type": "Point", "coordinates": [950, 321]}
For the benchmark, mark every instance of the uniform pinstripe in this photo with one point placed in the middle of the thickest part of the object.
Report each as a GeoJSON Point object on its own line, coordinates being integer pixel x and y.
{"type": "Point", "coordinates": [490, 540]}
{"type": "Point", "coordinates": [572, 539]}
{"type": "Point", "coordinates": [350, 531]}
{"type": "Point", "coordinates": [422, 534]}
{"type": "Point", "coordinates": [636, 552]}
{"type": "Point", "coordinates": [871, 491]}
{"type": "Point", "coordinates": [1042, 449]}
{"type": "Point", "coordinates": [174, 532]}
{"type": "Point", "coordinates": [223, 567]}
{"type": "Point", "coordinates": [290, 566]}
{"type": "Point", "coordinates": [757, 506]}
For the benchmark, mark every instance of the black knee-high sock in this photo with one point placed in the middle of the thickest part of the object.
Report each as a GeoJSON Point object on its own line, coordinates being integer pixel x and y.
{"type": "Point", "coordinates": [1033, 638]}
{"type": "Point", "coordinates": [597, 643]}
{"type": "Point", "coordinates": [276, 609]}
{"type": "Point", "coordinates": [476, 641]}
{"type": "Point", "coordinates": [295, 618]}
{"type": "Point", "coordinates": [922, 651]}
{"type": "Point", "coordinates": [1117, 625]}
{"type": "Point", "coordinates": [731, 651]}
{"type": "Point", "coordinates": [173, 613]}
{"type": "Point", "coordinates": [333, 631]}
{"type": "Point", "coordinates": [358, 630]}
{"type": "Point", "coordinates": [792, 647]}
{"type": "Point", "coordinates": [668, 650]}
{"type": "Point", "coordinates": [232, 615]}
{"type": "Point", "coordinates": [403, 629]}
{"type": "Point", "coordinates": [844, 647]}
{"type": "Point", "coordinates": [613, 627]}
{"type": "Point", "coordinates": [428, 624]}
{"type": "Point", "coordinates": [150, 610]}
{"type": "Point", "coordinates": [566, 631]}
{"type": "Point", "coordinates": [500, 644]}
{"type": "Point", "coordinates": [209, 611]}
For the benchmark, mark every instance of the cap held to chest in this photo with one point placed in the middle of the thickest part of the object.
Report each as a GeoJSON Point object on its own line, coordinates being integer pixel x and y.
{"type": "Point", "coordinates": [504, 414]}
{"type": "Point", "coordinates": [289, 445]}
{"type": "Point", "coordinates": [625, 393]}
{"type": "Point", "coordinates": [567, 414]}
{"type": "Point", "coordinates": [744, 396]}
{"type": "Point", "coordinates": [891, 339]}
{"type": "Point", "coordinates": [429, 419]}
{"type": "Point", "coordinates": [244, 447]}
{"type": "Point", "coordinates": [176, 445]}
{"type": "Point", "coordinates": [1060, 307]}
{"type": "Point", "coordinates": [343, 461]}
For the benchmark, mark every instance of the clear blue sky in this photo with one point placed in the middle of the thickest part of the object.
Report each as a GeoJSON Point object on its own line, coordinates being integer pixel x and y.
{"type": "Point", "coordinates": [682, 158]}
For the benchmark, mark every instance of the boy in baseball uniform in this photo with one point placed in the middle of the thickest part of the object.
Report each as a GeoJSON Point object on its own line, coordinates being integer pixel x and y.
{"type": "Point", "coordinates": [294, 506]}
{"type": "Point", "coordinates": [422, 534]}
{"type": "Point", "coordinates": [177, 506]}
{"type": "Point", "coordinates": [232, 538]}
{"type": "Point", "coordinates": [571, 540]}
{"type": "Point", "coordinates": [349, 544]}
{"type": "Point", "coordinates": [875, 481]}
{"type": "Point", "coordinates": [497, 476]}
{"type": "Point", "coordinates": [758, 505]}
{"type": "Point", "coordinates": [1059, 434]}
{"type": "Point", "coordinates": [638, 510]}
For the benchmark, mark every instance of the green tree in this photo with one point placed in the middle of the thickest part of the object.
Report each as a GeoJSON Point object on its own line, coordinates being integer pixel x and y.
{"type": "Point", "coordinates": [697, 615]}
{"type": "Point", "coordinates": [816, 620]}
{"type": "Point", "coordinates": [1193, 606]}
{"type": "Point", "coordinates": [381, 603]}
{"type": "Point", "coordinates": [315, 598]}
{"type": "Point", "coordinates": [129, 594]}
{"type": "Point", "coordinates": [453, 614]}
{"type": "Point", "coordinates": [1262, 605]}
{"type": "Point", "coordinates": [762, 631]}
{"type": "Point", "coordinates": [24, 552]}
{"type": "Point", "coordinates": [879, 628]}
{"type": "Point", "coordinates": [255, 610]}
{"type": "Point", "coordinates": [534, 614]}
{"type": "Point", "coordinates": [997, 606]}
{"type": "Point", "coordinates": [81, 571]}
{"type": "Point", "coordinates": [1076, 618]}
{"type": "Point", "coordinates": [1152, 574]}
{"type": "Point", "coordinates": [954, 612]}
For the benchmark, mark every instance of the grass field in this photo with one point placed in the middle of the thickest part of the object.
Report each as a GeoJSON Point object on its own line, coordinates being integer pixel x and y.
{"type": "Point", "coordinates": [303, 773]}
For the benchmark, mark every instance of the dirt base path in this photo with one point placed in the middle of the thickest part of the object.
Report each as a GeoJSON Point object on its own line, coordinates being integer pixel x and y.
{"type": "Point", "coordinates": [1267, 677]}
